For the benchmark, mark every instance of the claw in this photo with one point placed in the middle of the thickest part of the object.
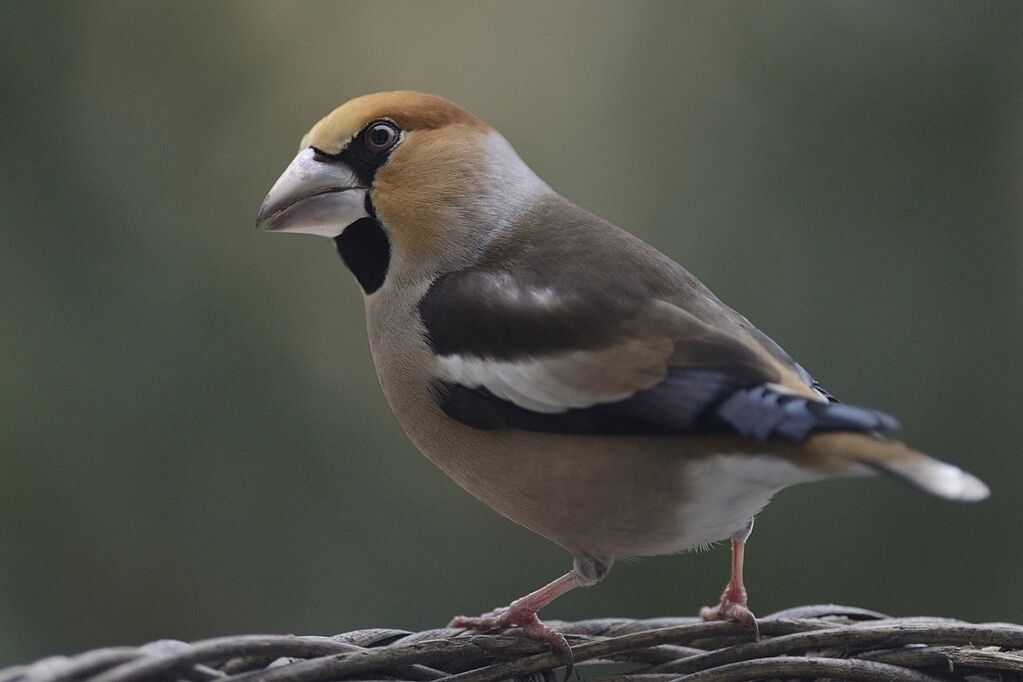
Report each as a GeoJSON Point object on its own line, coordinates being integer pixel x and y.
{"type": "Point", "coordinates": [734, 612]}
{"type": "Point", "coordinates": [521, 613]}
{"type": "Point", "coordinates": [521, 616]}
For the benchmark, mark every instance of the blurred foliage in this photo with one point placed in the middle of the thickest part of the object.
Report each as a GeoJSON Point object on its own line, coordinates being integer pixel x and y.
{"type": "Point", "coordinates": [193, 441]}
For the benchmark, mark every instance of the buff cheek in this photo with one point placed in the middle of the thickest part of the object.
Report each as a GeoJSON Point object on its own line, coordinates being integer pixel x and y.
{"type": "Point", "coordinates": [428, 181]}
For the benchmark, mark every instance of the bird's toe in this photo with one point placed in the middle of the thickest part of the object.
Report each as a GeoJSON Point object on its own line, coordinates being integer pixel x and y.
{"type": "Point", "coordinates": [734, 612]}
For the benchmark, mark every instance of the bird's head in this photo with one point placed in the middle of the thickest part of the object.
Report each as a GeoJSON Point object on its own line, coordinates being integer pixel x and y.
{"type": "Point", "coordinates": [407, 184]}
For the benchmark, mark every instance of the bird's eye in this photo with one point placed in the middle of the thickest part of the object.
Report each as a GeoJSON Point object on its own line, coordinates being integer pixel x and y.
{"type": "Point", "coordinates": [381, 135]}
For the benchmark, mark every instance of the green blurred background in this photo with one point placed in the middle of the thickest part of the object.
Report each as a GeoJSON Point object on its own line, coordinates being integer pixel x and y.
{"type": "Point", "coordinates": [193, 441]}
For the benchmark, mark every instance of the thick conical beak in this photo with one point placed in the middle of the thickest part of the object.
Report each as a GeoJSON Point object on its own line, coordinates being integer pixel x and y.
{"type": "Point", "coordinates": [313, 196]}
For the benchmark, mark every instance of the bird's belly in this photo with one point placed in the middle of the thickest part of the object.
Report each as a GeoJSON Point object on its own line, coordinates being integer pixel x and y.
{"type": "Point", "coordinates": [726, 490]}
{"type": "Point", "coordinates": [608, 496]}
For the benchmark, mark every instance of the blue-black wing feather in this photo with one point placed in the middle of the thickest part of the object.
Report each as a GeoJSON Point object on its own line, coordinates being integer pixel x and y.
{"type": "Point", "coordinates": [688, 402]}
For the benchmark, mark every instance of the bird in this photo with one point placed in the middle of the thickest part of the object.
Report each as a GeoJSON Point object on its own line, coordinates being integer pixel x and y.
{"type": "Point", "coordinates": [561, 370]}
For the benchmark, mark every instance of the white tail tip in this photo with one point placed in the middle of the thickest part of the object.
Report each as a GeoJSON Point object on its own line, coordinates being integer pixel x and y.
{"type": "Point", "coordinates": [938, 478]}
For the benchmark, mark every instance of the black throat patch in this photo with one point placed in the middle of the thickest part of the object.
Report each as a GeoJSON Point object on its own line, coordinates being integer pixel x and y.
{"type": "Point", "coordinates": [365, 250]}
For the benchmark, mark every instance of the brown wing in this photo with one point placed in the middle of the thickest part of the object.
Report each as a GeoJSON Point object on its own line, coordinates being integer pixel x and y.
{"type": "Point", "coordinates": [577, 326]}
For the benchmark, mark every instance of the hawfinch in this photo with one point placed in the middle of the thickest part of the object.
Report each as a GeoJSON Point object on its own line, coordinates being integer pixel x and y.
{"type": "Point", "coordinates": [562, 371]}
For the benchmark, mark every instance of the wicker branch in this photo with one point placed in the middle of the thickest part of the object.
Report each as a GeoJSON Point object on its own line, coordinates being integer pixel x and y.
{"type": "Point", "coordinates": [826, 641]}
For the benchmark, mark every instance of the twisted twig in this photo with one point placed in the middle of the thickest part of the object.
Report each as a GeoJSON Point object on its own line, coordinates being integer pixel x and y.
{"type": "Point", "coordinates": [808, 642]}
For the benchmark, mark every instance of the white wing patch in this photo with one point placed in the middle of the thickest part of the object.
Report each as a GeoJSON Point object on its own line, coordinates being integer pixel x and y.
{"type": "Point", "coordinates": [528, 383]}
{"type": "Point", "coordinates": [579, 378]}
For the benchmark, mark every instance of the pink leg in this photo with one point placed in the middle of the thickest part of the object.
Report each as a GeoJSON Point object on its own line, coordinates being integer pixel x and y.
{"type": "Point", "coordinates": [522, 613]}
{"type": "Point", "coordinates": [733, 600]}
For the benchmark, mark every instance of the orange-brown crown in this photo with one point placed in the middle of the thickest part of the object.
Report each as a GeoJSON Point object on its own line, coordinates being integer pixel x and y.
{"type": "Point", "coordinates": [410, 110]}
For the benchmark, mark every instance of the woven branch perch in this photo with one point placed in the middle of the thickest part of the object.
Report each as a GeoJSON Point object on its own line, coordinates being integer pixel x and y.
{"type": "Point", "coordinates": [815, 642]}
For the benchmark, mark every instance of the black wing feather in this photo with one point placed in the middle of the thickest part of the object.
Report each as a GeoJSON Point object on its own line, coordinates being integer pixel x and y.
{"type": "Point", "coordinates": [687, 402]}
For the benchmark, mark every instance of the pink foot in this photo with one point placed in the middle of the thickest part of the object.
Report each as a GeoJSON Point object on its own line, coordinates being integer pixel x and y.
{"type": "Point", "coordinates": [733, 600]}
{"type": "Point", "coordinates": [522, 613]}
{"type": "Point", "coordinates": [732, 609]}
{"type": "Point", "coordinates": [734, 612]}
{"type": "Point", "coordinates": [518, 615]}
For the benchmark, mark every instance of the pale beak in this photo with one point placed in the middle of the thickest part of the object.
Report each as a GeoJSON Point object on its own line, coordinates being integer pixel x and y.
{"type": "Point", "coordinates": [313, 197]}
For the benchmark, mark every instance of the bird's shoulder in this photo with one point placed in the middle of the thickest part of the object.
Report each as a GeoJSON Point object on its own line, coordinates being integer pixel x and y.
{"type": "Point", "coordinates": [561, 279]}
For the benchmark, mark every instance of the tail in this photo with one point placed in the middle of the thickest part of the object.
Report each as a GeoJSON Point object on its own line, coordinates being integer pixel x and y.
{"type": "Point", "coordinates": [896, 459]}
